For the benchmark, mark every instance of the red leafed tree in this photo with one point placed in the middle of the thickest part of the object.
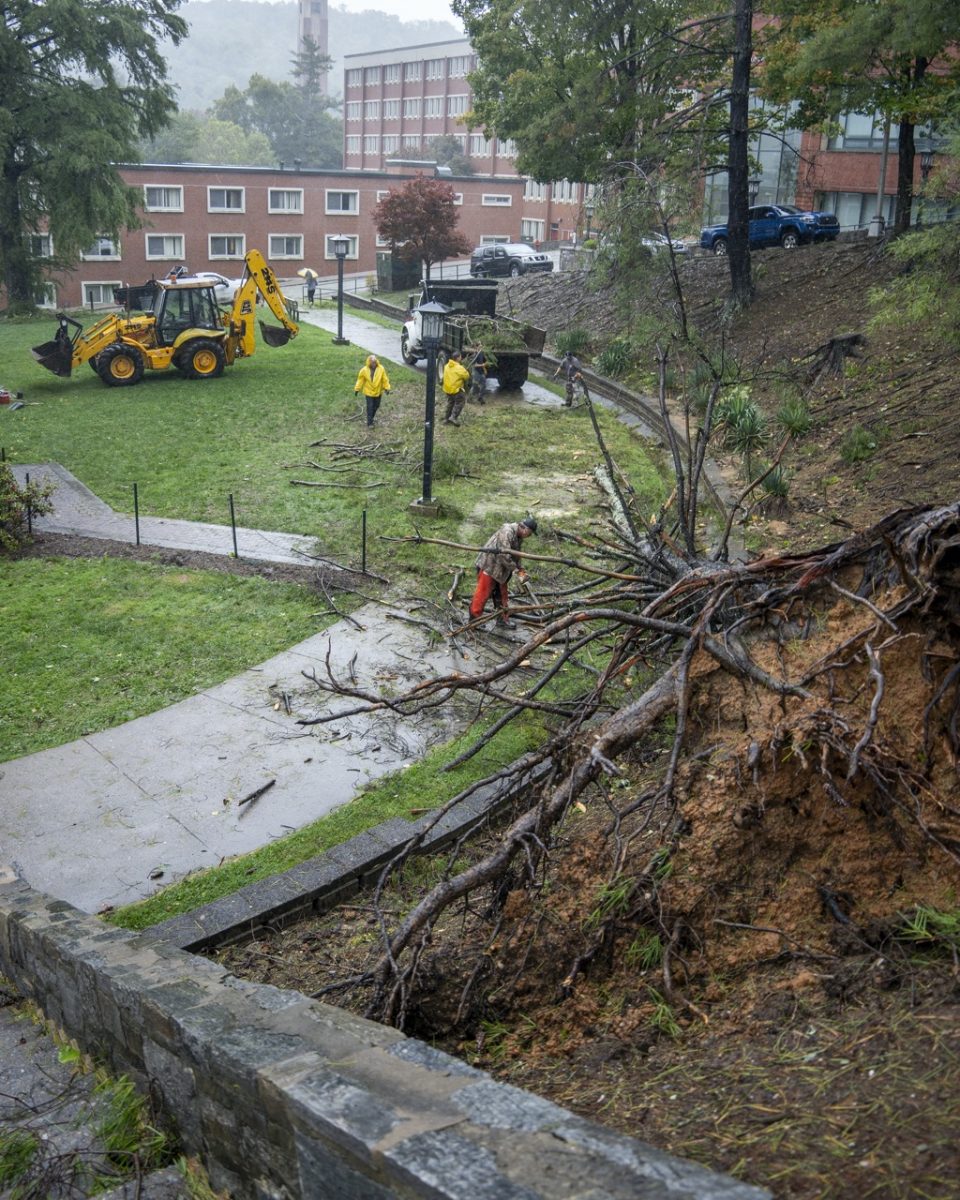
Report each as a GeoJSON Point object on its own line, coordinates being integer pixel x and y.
{"type": "Point", "coordinates": [419, 221]}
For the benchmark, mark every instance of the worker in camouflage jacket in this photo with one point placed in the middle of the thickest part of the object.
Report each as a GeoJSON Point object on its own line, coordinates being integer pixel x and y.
{"type": "Point", "coordinates": [496, 562]}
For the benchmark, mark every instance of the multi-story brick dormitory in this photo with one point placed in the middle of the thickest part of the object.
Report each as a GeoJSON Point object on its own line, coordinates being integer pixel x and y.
{"type": "Point", "coordinates": [208, 217]}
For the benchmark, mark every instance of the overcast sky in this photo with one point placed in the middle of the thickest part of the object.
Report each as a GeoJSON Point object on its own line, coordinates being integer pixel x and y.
{"type": "Point", "coordinates": [410, 10]}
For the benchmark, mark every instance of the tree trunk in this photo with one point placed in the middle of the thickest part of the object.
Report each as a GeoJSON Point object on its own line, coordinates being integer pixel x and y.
{"type": "Point", "coordinates": [738, 242]}
{"type": "Point", "coordinates": [906, 154]}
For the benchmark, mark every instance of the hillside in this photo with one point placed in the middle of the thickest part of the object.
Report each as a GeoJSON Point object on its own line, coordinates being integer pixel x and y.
{"type": "Point", "coordinates": [885, 431]}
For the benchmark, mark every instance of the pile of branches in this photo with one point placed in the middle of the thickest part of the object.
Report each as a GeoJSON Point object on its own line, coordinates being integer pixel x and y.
{"type": "Point", "coordinates": [655, 611]}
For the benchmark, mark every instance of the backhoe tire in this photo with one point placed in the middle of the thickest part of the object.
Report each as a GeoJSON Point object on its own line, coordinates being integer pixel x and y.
{"type": "Point", "coordinates": [202, 359]}
{"type": "Point", "coordinates": [120, 365]}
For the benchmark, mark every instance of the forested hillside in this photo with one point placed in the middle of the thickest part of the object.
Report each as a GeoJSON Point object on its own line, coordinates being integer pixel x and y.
{"type": "Point", "coordinates": [230, 40]}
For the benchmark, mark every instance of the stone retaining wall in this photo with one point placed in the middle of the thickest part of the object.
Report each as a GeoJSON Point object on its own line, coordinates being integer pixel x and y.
{"type": "Point", "coordinates": [285, 1098]}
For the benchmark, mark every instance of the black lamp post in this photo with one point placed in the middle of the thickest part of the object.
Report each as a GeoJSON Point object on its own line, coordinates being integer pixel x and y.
{"type": "Point", "coordinates": [588, 213]}
{"type": "Point", "coordinates": [926, 166]}
{"type": "Point", "coordinates": [340, 247]}
{"type": "Point", "coordinates": [431, 330]}
{"type": "Point", "coordinates": [754, 186]}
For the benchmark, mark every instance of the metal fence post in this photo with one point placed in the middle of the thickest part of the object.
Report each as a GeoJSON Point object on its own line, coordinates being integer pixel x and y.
{"type": "Point", "coordinates": [233, 527]}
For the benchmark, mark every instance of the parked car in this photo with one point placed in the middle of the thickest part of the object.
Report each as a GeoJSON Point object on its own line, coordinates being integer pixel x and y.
{"type": "Point", "coordinates": [223, 287]}
{"type": "Point", "coordinates": [776, 225]}
{"type": "Point", "coordinates": [656, 242]}
{"type": "Point", "coordinates": [508, 258]}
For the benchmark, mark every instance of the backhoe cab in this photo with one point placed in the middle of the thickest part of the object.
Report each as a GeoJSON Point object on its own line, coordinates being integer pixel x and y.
{"type": "Point", "coordinates": [184, 327]}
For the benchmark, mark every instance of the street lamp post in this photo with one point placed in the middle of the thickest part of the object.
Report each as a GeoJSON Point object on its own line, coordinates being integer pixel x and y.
{"type": "Point", "coordinates": [340, 245]}
{"type": "Point", "coordinates": [926, 166]}
{"type": "Point", "coordinates": [431, 318]}
{"type": "Point", "coordinates": [754, 186]}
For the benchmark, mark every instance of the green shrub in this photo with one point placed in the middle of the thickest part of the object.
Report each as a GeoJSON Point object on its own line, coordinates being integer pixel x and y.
{"type": "Point", "coordinates": [616, 358]}
{"type": "Point", "coordinates": [794, 418]}
{"type": "Point", "coordinates": [577, 341]}
{"type": "Point", "coordinates": [776, 485]}
{"type": "Point", "coordinates": [858, 445]}
{"type": "Point", "coordinates": [15, 501]}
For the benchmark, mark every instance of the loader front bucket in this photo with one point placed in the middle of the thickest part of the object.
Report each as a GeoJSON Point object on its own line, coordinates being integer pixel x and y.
{"type": "Point", "coordinates": [56, 356]}
{"type": "Point", "coordinates": [275, 335]}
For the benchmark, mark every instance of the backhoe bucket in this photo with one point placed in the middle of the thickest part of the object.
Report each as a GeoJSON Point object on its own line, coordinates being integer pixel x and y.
{"type": "Point", "coordinates": [56, 356]}
{"type": "Point", "coordinates": [275, 335]}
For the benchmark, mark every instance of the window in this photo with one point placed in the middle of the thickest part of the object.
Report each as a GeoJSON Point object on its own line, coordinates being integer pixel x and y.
{"type": "Point", "coordinates": [495, 201]}
{"type": "Point", "coordinates": [353, 143]}
{"type": "Point", "coordinates": [351, 246]}
{"type": "Point", "coordinates": [531, 230]}
{"type": "Point", "coordinates": [861, 131]}
{"type": "Point", "coordinates": [534, 191]}
{"type": "Point", "coordinates": [227, 245]}
{"type": "Point", "coordinates": [103, 247]}
{"type": "Point", "coordinates": [563, 190]}
{"type": "Point", "coordinates": [41, 245]}
{"type": "Point", "coordinates": [391, 73]}
{"type": "Point", "coordinates": [435, 68]}
{"type": "Point", "coordinates": [391, 110]}
{"type": "Point", "coordinates": [456, 105]}
{"type": "Point", "coordinates": [459, 66]}
{"type": "Point", "coordinates": [225, 200]}
{"type": "Point", "coordinates": [479, 145]}
{"type": "Point", "coordinates": [165, 245]}
{"type": "Point", "coordinates": [458, 197]}
{"type": "Point", "coordinates": [507, 149]}
{"type": "Point", "coordinates": [286, 245]}
{"type": "Point", "coordinates": [433, 106]}
{"type": "Point", "coordinates": [98, 293]}
{"type": "Point", "coordinates": [371, 144]}
{"type": "Point", "coordinates": [411, 141]}
{"type": "Point", "coordinates": [855, 210]}
{"type": "Point", "coordinates": [354, 110]}
{"type": "Point", "coordinates": [285, 200]}
{"type": "Point", "coordinates": [411, 71]}
{"type": "Point", "coordinates": [354, 77]}
{"type": "Point", "coordinates": [491, 239]}
{"type": "Point", "coordinates": [46, 296]}
{"type": "Point", "coordinates": [381, 241]}
{"type": "Point", "coordinates": [157, 198]}
{"type": "Point", "coordinates": [371, 75]}
{"type": "Point", "coordinates": [371, 110]}
{"type": "Point", "coordinates": [382, 195]}
{"type": "Point", "coordinates": [343, 202]}
{"type": "Point", "coordinates": [391, 144]}
{"type": "Point", "coordinates": [411, 106]}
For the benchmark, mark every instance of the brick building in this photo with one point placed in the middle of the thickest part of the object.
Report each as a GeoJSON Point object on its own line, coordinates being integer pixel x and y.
{"type": "Point", "coordinates": [208, 217]}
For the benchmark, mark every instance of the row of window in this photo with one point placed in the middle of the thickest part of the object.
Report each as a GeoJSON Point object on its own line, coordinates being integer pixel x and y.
{"type": "Point", "coordinates": [219, 246]}
{"type": "Point", "coordinates": [169, 198]}
{"type": "Point", "coordinates": [391, 143]}
{"type": "Point", "coordinates": [410, 72]}
{"type": "Point", "coordinates": [411, 106]}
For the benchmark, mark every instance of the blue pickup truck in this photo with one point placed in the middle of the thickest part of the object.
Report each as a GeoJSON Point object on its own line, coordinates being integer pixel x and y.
{"type": "Point", "coordinates": [776, 225]}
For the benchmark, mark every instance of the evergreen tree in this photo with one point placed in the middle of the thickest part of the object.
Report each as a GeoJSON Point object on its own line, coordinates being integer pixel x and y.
{"type": "Point", "coordinates": [83, 81]}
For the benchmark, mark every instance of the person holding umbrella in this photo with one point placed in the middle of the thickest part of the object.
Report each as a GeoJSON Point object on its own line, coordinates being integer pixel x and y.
{"type": "Point", "coordinates": [311, 277]}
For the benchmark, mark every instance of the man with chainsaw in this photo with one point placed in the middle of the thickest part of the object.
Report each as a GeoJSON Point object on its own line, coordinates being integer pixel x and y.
{"type": "Point", "coordinates": [496, 562]}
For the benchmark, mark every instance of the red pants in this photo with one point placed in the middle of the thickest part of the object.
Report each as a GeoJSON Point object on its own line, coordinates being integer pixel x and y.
{"type": "Point", "coordinates": [485, 585]}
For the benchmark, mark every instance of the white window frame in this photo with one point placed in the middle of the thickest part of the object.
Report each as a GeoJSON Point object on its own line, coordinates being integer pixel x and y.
{"type": "Point", "coordinates": [496, 200]}
{"type": "Point", "coordinates": [296, 194]}
{"type": "Point", "coordinates": [459, 66]}
{"type": "Point", "coordinates": [391, 143]}
{"type": "Point", "coordinates": [175, 251]}
{"type": "Point", "coordinates": [241, 194]}
{"type": "Point", "coordinates": [353, 249]}
{"type": "Point", "coordinates": [532, 229]}
{"type": "Point", "coordinates": [352, 143]}
{"type": "Point", "coordinates": [41, 245]}
{"type": "Point", "coordinates": [371, 110]}
{"type": "Point", "coordinates": [371, 75]}
{"type": "Point", "coordinates": [46, 297]}
{"type": "Point", "coordinates": [112, 255]}
{"type": "Point", "coordinates": [341, 212]}
{"type": "Point", "coordinates": [411, 106]}
{"type": "Point", "coordinates": [353, 110]}
{"type": "Point", "coordinates": [391, 73]}
{"type": "Point", "coordinates": [533, 190]}
{"type": "Point", "coordinates": [411, 141]}
{"type": "Point", "coordinates": [458, 197]}
{"type": "Point", "coordinates": [227, 253]}
{"type": "Point", "coordinates": [175, 205]}
{"type": "Point", "coordinates": [382, 195]}
{"type": "Point", "coordinates": [493, 239]}
{"type": "Point", "coordinates": [105, 288]}
{"type": "Point", "coordinates": [480, 146]}
{"type": "Point", "coordinates": [371, 143]}
{"type": "Point", "coordinates": [273, 252]}
{"type": "Point", "coordinates": [433, 107]}
{"type": "Point", "coordinates": [457, 104]}
{"type": "Point", "coordinates": [391, 109]}
{"type": "Point", "coordinates": [506, 149]}
{"type": "Point", "coordinates": [436, 68]}
{"type": "Point", "coordinates": [354, 77]}
{"type": "Point", "coordinates": [412, 72]}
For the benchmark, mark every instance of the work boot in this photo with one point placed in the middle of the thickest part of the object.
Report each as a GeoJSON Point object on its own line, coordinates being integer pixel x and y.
{"type": "Point", "coordinates": [504, 623]}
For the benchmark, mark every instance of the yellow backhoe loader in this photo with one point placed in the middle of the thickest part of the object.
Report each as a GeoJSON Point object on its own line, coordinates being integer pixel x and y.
{"type": "Point", "coordinates": [183, 328]}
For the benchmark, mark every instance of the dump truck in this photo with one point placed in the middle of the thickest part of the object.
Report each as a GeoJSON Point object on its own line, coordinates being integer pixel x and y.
{"type": "Point", "coordinates": [472, 324]}
{"type": "Point", "coordinates": [182, 326]}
